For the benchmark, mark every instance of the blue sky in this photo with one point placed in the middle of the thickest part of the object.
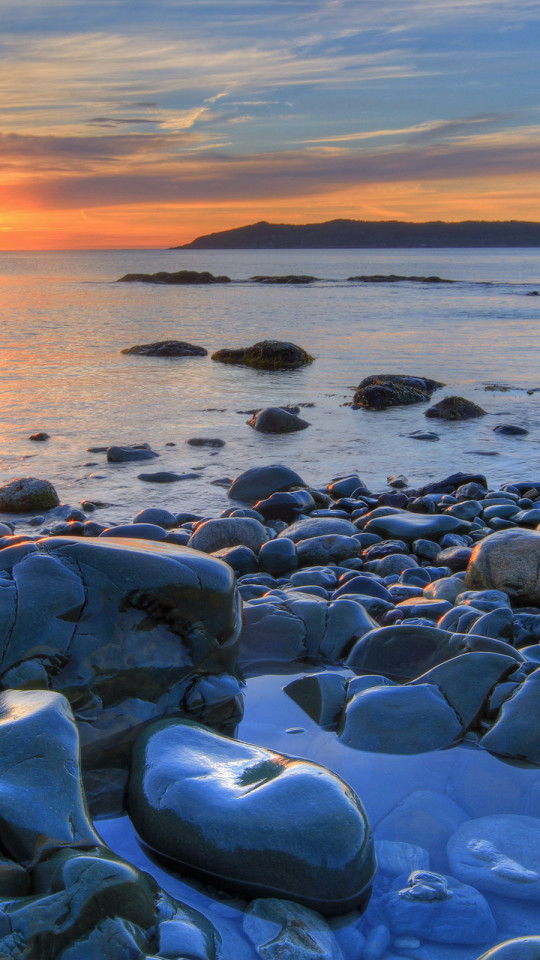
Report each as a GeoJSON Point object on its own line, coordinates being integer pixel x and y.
{"type": "Point", "coordinates": [190, 116]}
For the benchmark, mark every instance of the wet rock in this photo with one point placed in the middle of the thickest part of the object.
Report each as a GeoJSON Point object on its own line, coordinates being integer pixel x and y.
{"type": "Point", "coordinates": [27, 495]}
{"type": "Point", "coordinates": [280, 929]}
{"type": "Point", "coordinates": [129, 454]}
{"type": "Point", "coordinates": [427, 435]}
{"type": "Point", "coordinates": [400, 719]}
{"type": "Point", "coordinates": [123, 627]}
{"type": "Point", "coordinates": [181, 276]}
{"type": "Point", "coordinates": [205, 442]}
{"type": "Point", "coordinates": [508, 561]}
{"type": "Point", "coordinates": [318, 527]}
{"type": "Point", "coordinates": [240, 558]}
{"type": "Point", "coordinates": [392, 389]}
{"type": "Point", "coordinates": [455, 408]}
{"type": "Point", "coordinates": [156, 515]}
{"type": "Point", "coordinates": [413, 526]}
{"type": "Point", "coordinates": [166, 348]}
{"type": "Point", "coordinates": [454, 482]}
{"type": "Point", "coordinates": [300, 627]}
{"type": "Point", "coordinates": [435, 907]}
{"type": "Point", "coordinates": [499, 854]}
{"type": "Point", "coordinates": [516, 732]}
{"type": "Point", "coordinates": [266, 355]}
{"type": "Point", "coordinates": [403, 651]}
{"type": "Point", "coordinates": [286, 505]}
{"type": "Point", "coordinates": [278, 557]}
{"type": "Point", "coordinates": [510, 430]}
{"type": "Point", "coordinates": [520, 948]}
{"type": "Point", "coordinates": [331, 548]}
{"type": "Point", "coordinates": [397, 857]}
{"type": "Point", "coordinates": [260, 482]}
{"type": "Point", "coordinates": [212, 535]}
{"type": "Point", "coordinates": [40, 437]}
{"type": "Point", "coordinates": [467, 680]}
{"type": "Point", "coordinates": [293, 278]}
{"type": "Point", "coordinates": [276, 420]}
{"type": "Point", "coordinates": [321, 695]}
{"type": "Point", "coordinates": [135, 531]}
{"type": "Point", "coordinates": [207, 801]}
{"type": "Point", "coordinates": [166, 476]}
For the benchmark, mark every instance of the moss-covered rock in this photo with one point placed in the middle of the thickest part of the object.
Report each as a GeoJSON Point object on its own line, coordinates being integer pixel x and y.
{"type": "Point", "coordinates": [27, 495]}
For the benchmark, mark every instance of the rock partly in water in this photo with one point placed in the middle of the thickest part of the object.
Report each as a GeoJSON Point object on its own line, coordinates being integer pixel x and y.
{"type": "Point", "coordinates": [520, 948]}
{"type": "Point", "coordinates": [266, 355]}
{"type": "Point", "coordinates": [290, 278]}
{"type": "Point", "coordinates": [130, 454]}
{"type": "Point", "coordinates": [256, 821]}
{"type": "Point", "coordinates": [277, 420]}
{"type": "Point", "coordinates": [455, 408]}
{"type": "Point", "coordinates": [180, 276]}
{"type": "Point", "coordinates": [260, 482]}
{"type": "Point", "coordinates": [166, 348]}
{"type": "Point", "coordinates": [380, 391]}
{"type": "Point", "coordinates": [282, 929]}
{"type": "Point", "coordinates": [40, 437]}
{"type": "Point", "coordinates": [516, 731]}
{"type": "Point", "coordinates": [27, 495]}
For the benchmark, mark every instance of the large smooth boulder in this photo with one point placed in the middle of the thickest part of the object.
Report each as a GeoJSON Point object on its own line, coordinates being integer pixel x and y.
{"type": "Point", "coordinates": [255, 821]}
{"type": "Point", "coordinates": [414, 526]}
{"type": "Point", "coordinates": [129, 630]}
{"type": "Point", "coordinates": [521, 948]}
{"type": "Point", "coordinates": [277, 420]}
{"type": "Point", "coordinates": [27, 495]}
{"type": "Point", "coordinates": [516, 731]}
{"type": "Point", "coordinates": [260, 482]}
{"type": "Point", "coordinates": [393, 389]}
{"type": "Point", "coordinates": [266, 355]}
{"type": "Point", "coordinates": [508, 560]}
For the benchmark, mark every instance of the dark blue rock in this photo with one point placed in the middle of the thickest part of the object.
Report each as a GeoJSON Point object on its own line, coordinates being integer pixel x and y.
{"type": "Point", "coordinates": [256, 821]}
{"type": "Point", "coordinates": [259, 482]}
{"type": "Point", "coordinates": [137, 531]}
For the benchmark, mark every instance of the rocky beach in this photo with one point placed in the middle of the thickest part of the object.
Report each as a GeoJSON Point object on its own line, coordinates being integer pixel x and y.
{"type": "Point", "coordinates": [317, 712]}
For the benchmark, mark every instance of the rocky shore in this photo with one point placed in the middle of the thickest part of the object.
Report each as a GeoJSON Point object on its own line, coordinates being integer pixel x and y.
{"type": "Point", "coordinates": [391, 638]}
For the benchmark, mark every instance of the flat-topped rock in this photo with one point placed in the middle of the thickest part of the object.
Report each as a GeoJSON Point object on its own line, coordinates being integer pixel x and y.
{"type": "Point", "coordinates": [166, 348]}
{"type": "Point", "coordinates": [266, 355]}
{"type": "Point", "coordinates": [393, 389]}
{"type": "Point", "coordinates": [251, 819]}
{"type": "Point", "coordinates": [415, 526]}
{"type": "Point", "coordinates": [180, 276]}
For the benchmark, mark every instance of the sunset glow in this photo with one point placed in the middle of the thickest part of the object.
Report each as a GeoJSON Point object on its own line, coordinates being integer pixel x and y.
{"type": "Point", "coordinates": [129, 125]}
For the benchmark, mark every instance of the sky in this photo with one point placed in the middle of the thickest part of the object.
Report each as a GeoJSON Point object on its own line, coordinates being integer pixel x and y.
{"type": "Point", "coordinates": [129, 123]}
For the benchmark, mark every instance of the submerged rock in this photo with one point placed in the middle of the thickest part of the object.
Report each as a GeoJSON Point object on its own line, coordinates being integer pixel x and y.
{"type": "Point", "coordinates": [455, 408]}
{"type": "Point", "coordinates": [393, 389]}
{"type": "Point", "coordinates": [266, 355]}
{"type": "Point", "coordinates": [499, 854]}
{"type": "Point", "coordinates": [301, 933]}
{"type": "Point", "coordinates": [255, 821]}
{"type": "Point", "coordinates": [27, 495]}
{"type": "Point", "coordinates": [166, 348]}
{"type": "Point", "coordinates": [521, 948]}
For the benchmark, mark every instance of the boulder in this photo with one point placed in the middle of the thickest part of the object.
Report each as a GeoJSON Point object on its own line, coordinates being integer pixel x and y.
{"type": "Point", "coordinates": [127, 629]}
{"type": "Point", "coordinates": [507, 560]}
{"type": "Point", "coordinates": [399, 719]}
{"type": "Point", "coordinates": [212, 535]}
{"type": "Point", "coordinates": [260, 482]}
{"type": "Point", "coordinates": [516, 731]}
{"type": "Point", "coordinates": [414, 526]}
{"type": "Point", "coordinates": [276, 420]}
{"type": "Point", "coordinates": [255, 821]}
{"type": "Point", "coordinates": [266, 355]}
{"type": "Point", "coordinates": [521, 948]}
{"type": "Point", "coordinates": [166, 348]}
{"type": "Point", "coordinates": [380, 391]}
{"type": "Point", "coordinates": [27, 495]}
{"type": "Point", "coordinates": [455, 408]}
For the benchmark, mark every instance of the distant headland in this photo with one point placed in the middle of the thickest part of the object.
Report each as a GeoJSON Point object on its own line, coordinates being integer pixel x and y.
{"type": "Point", "coordinates": [371, 234]}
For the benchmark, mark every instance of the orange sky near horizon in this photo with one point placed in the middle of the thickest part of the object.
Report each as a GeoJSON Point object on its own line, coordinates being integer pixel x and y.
{"type": "Point", "coordinates": [125, 126]}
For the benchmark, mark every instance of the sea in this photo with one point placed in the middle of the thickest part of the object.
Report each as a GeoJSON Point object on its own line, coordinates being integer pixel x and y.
{"type": "Point", "coordinates": [65, 320]}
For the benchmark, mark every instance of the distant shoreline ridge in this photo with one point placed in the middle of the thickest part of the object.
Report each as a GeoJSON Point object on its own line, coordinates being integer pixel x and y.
{"type": "Point", "coordinates": [368, 234]}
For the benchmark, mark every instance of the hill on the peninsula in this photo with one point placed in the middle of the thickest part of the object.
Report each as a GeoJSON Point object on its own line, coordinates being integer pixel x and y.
{"type": "Point", "coordinates": [374, 234]}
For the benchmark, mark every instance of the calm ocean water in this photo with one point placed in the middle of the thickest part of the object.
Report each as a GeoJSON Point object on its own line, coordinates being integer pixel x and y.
{"type": "Point", "coordinates": [65, 321]}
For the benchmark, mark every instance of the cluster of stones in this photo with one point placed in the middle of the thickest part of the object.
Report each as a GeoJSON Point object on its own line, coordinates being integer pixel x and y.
{"type": "Point", "coordinates": [122, 656]}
